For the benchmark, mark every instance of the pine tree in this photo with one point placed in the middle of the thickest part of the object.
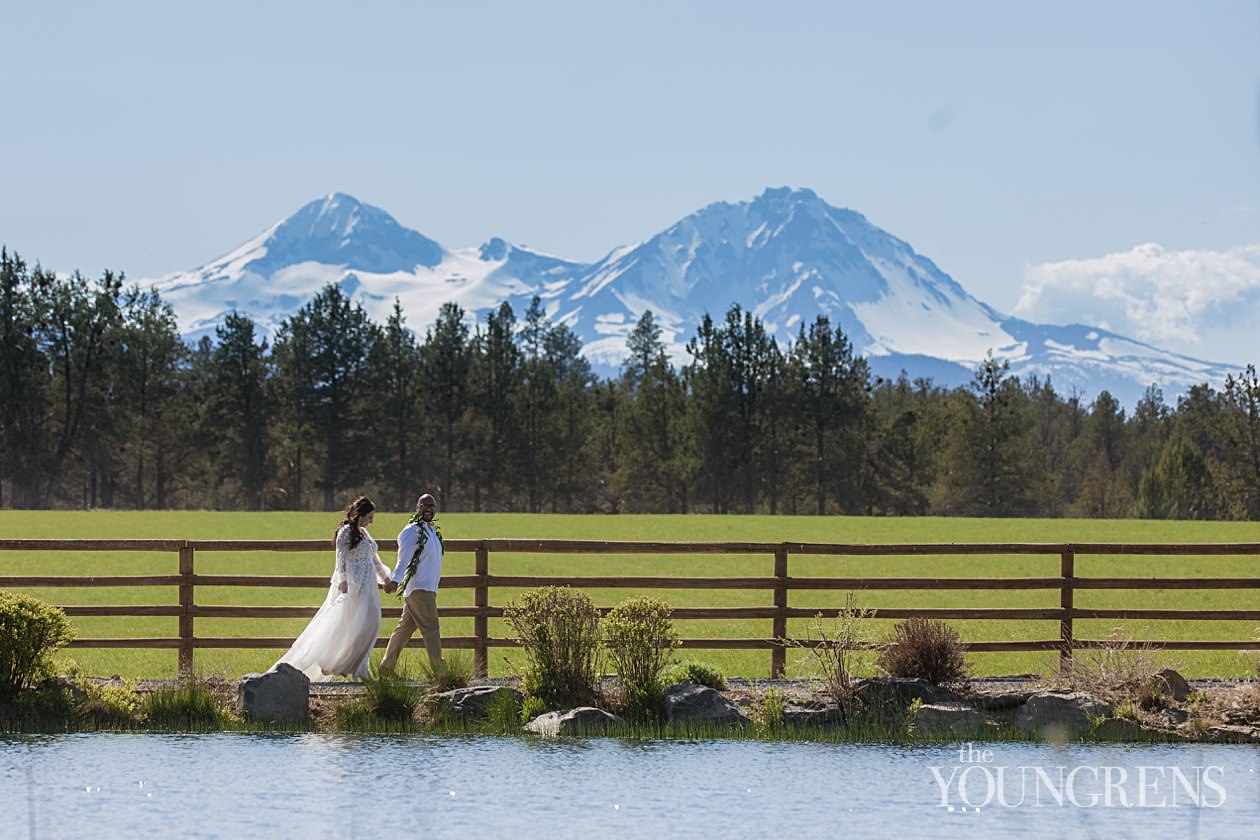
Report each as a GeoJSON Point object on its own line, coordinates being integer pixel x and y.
{"type": "Point", "coordinates": [239, 410]}
{"type": "Point", "coordinates": [322, 357]}
{"type": "Point", "coordinates": [397, 369]}
{"type": "Point", "coordinates": [445, 363]}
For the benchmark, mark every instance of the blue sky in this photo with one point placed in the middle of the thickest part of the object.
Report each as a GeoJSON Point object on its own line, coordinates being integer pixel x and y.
{"type": "Point", "coordinates": [1032, 150]}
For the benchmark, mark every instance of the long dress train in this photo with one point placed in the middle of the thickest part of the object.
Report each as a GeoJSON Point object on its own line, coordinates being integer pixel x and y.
{"type": "Point", "coordinates": [340, 637]}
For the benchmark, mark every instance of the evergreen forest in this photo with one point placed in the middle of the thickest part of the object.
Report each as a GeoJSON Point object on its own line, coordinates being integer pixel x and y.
{"type": "Point", "coordinates": [105, 406]}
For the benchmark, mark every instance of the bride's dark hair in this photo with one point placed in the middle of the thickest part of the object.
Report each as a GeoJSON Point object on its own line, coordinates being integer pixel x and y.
{"type": "Point", "coordinates": [355, 511]}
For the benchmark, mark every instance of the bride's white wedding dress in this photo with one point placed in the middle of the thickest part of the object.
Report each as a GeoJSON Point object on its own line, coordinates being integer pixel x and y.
{"type": "Point", "coordinates": [340, 637]}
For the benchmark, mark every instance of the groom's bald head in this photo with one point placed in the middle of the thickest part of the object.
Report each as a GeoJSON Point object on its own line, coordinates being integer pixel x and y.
{"type": "Point", "coordinates": [426, 506]}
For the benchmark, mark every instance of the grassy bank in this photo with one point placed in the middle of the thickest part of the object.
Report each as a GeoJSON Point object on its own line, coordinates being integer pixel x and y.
{"type": "Point", "coordinates": [210, 525]}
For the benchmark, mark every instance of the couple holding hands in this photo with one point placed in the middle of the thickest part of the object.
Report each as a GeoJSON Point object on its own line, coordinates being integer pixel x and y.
{"type": "Point", "coordinates": [340, 637]}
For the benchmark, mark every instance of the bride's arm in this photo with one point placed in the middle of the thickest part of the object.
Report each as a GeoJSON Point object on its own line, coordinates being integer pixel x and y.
{"type": "Point", "coordinates": [343, 552]}
{"type": "Point", "coordinates": [382, 571]}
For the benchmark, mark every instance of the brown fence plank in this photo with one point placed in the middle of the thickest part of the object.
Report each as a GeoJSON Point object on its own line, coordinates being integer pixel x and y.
{"type": "Point", "coordinates": [634, 582]}
{"type": "Point", "coordinates": [924, 583]}
{"type": "Point", "coordinates": [89, 581]}
{"type": "Point", "coordinates": [123, 609]}
{"type": "Point", "coordinates": [1167, 583]}
{"type": "Point", "coordinates": [1173, 615]}
{"type": "Point", "coordinates": [138, 642]}
{"type": "Point", "coordinates": [91, 545]}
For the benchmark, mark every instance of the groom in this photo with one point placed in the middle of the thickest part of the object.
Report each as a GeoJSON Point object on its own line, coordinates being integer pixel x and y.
{"type": "Point", "coordinates": [418, 570]}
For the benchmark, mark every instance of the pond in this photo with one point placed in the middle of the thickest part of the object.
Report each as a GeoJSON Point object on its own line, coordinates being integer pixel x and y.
{"type": "Point", "coordinates": [317, 785]}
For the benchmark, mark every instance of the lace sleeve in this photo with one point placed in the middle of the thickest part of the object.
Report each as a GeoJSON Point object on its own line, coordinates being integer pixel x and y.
{"type": "Point", "coordinates": [342, 566]}
{"type": "Point", "coordinates": [383, 572]}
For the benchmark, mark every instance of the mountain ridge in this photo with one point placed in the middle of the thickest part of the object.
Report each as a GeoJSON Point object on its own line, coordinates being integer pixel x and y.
{"type": "Point", "coordinates": [786, 256]}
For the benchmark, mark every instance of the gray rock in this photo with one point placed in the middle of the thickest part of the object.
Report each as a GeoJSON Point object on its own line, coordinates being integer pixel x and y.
{"type": "Point", "coordinates": [584, 720]}
{"type": "Point", "coordinates": [1173, 684]}
{"type": "Point", "coordinates": [1000, 702]}
{"type": "Point", "coordinates": [1061, 717]}
{"type": "Point", "coordinates": [1236, 733]}
{"type": "Point", "coordinates": [281, 694]}
{"type": "Point", "coordinates": [698, 704]}
{"type": "Point", "coordinates": [474, 702]}
{"type": "Point", "coordinates": [900, 692]}
{"type": "Point", "coordinates": [1120, 729]}
{"type": "Point", "coordinates": [820, 716]}
{"type": "Point", "coordinates": [947, 720]}
{"type": "Point", "coordinates": [1175, 716]}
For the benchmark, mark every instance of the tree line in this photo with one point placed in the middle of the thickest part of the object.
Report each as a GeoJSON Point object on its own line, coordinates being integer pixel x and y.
{"type": "Point", "coordinates": [104, 405]}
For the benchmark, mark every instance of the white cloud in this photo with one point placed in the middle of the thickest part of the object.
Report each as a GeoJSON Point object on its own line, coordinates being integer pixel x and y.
{"type": "Point", "coordinates": [1163, 297]}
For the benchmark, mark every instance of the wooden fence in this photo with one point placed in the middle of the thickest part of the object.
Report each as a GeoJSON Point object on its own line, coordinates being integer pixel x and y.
{"type": "Point", "coordinates": [779, 583]}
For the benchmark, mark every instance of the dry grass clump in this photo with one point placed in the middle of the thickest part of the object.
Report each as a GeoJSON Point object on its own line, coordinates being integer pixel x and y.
{"type": "Point", "coordinates": [454, 671]}
{"type": "Point", "coordinates": [1121, 670]}
{"type": "Point", "coordinates": [924, 648]}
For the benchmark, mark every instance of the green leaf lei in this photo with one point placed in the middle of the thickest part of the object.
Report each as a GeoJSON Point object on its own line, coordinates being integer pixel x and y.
{"type": "Point", "coordinates": [416, 519]}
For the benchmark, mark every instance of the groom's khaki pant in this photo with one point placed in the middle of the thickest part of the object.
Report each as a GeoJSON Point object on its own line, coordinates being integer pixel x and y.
{"type": "Point", "coordinates": [419, 612]}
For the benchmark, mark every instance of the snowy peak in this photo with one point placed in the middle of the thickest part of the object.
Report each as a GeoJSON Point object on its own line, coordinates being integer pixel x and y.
{"type": "Point", "coordinates": [788, 256]}
{"type": "Point", "coordinates": [338, 229]}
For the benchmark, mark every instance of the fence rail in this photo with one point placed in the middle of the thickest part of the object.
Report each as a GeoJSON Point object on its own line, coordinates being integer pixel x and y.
{"type": "Point", "coordinates": [779, 584]}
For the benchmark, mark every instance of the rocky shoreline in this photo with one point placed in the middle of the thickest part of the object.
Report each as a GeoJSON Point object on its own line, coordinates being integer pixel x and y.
{"type": "Point", "coordinates": [1022, 707]}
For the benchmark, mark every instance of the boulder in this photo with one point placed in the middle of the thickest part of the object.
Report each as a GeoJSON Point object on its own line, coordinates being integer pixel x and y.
{"type": "Point", "coordinates": [689, 704]}
{"type": "Point", "coordinates": [1061, 717]}
{"type": "Point", "coordinates": [947, 720]}
{"type": "Point", "coordinates": [1173, 684]}
{"type": "Point", "coordinates": [1121, 729]}
{"type": "Point", "coordinates": [1235, 733]}
{"type": "Point", "coordinates": [900, 692]}
{"type": "Point", "coordinates": [1175, 716]}
{"type": "Point", "coordinates": [814, 716]}
{"type": "Point", "coordinates": [281, 694]}
{"type": "Point", "coordinates": [1000, 701]}
{"type": "Point", "coordinates": [584, 720]}
{"type": "Point", "coordinates": [474, 702]}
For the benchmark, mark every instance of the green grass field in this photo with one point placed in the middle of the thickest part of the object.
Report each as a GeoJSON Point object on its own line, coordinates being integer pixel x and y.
{"type": "Point", "coordinates": [208, 525]}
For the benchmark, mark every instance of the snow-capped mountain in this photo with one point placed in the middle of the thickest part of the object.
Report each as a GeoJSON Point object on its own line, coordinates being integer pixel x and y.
{"type": "Point", "coordinates": [786, 256]}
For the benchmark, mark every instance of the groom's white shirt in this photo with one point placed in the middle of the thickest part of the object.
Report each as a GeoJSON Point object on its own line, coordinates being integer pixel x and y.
{"type": "Point", "coordinates": [429, 569]}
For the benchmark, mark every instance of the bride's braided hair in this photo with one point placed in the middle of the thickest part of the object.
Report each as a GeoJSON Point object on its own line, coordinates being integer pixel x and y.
{"type": "Point", "coordinates": [355, 511]}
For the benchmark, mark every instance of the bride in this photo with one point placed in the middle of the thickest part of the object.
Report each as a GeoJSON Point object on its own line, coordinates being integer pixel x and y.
{"type": "Point", "coordinates": [340, 637]}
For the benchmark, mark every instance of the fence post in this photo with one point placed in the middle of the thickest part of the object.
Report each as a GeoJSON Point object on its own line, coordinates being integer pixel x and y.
{"type": "Point", "coordinates": [186, 611]}
{"type": "Point", "coordinates": [1067, 572]}
{"type": "Point", "coordinates": [778, 655]}
{"type": "Point", "coordinates": [481, 622]}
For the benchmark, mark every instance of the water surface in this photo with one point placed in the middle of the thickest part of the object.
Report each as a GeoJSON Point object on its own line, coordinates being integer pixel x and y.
{"type": "Point", "coordinates": [315, 785]}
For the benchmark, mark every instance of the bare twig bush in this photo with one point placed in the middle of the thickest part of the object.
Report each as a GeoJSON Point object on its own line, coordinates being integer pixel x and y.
{"type": "Point", "coordinates": [832, 647]}
{"type": "Point", "coordinates": [1121, 670]}
{"type": "Point", "coordinates": [924, 648]}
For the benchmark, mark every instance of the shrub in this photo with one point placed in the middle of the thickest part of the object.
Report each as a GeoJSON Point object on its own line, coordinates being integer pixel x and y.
{"type": "Point", "coordinates": [30, 631]}
{"type": "Point", "coordinates": [558, 629]}
{"type": "Point", "coordinates": [769, 712]}
{"type": "Point", "coordinates": [691, 672]}
{"type": "Point", "coordinates": [454, 671]}
{"type": "Point", "coordinates": [1121, 669]}
{"type": "Point", "coordinates": [924, 648]}
{"type": "Point", "coordinates": [503, 716]}
{"type": "Point", "coordinates": [640, 637]}
{"type": "Point", "coordinates": [532, 708]}
{"type": "Point", "coordinates": [190, 704]}
{"type": "Point", "coordinates": [833, 648]}
{"type": "Point", "coordinates": [108, 705]}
